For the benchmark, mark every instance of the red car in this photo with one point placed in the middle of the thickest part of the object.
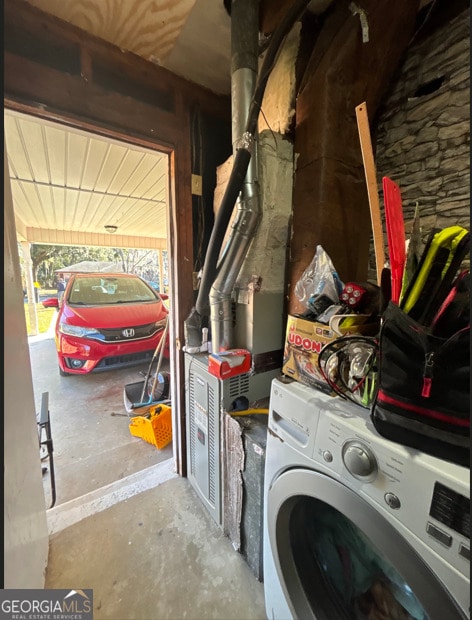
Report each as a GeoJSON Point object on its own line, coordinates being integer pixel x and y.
{"type": "Point", "coordinates": [108, 321]}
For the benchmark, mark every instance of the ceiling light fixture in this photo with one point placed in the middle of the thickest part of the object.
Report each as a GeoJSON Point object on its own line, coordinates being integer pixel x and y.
{"type": "Point", "coordinates": [111, 228]}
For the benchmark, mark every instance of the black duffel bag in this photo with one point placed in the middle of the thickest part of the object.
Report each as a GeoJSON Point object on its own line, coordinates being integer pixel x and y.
{"type": "Point", "coordinates": [423, 391]}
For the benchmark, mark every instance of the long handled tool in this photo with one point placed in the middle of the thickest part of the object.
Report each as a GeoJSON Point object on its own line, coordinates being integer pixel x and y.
{"type": "Point", "coordinates": [372, 188]}
{"type": "Point", "coordinates": [395, 234]}
{"type": "Point", "coordinates": [134, 396]}
{"type": "Point", "coordinates": [438, 266]}
{"type": "Point", "coordinates": [161, 354]}
{"type": "Point", "coordinates": [413, 254]}
{"type": "Point", "coordinates": [159, 350]}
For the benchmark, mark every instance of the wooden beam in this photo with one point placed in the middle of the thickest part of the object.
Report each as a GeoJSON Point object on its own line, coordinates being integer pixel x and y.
{"type": "Point", "coordinates": [51, 93]}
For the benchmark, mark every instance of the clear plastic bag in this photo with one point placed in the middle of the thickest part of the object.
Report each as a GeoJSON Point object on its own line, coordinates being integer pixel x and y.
{"type": "Point", "coordinates": [319, 278]}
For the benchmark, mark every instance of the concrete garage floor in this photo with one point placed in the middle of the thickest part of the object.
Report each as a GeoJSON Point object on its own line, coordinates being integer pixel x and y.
{"type": "Point", "coordinates": [89, 424]}
{"type": "Point", "coordinates": [153, 557]}
{"type": "Point", "coordinates": [124, 524]}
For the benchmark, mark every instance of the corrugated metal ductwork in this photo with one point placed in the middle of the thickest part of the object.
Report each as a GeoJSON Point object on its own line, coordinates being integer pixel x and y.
{"type": "Point", "coordinates": [244, 59]}
{"type": "Point", "coordinates": [220, 272]}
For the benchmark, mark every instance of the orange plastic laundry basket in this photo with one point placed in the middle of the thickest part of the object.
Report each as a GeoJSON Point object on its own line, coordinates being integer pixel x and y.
{"type": "Point", "coordinates": [157, 429]}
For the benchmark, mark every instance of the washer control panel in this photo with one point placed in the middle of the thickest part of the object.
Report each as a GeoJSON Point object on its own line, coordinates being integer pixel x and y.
{"type": "Point", "coordinates": [429, 496]}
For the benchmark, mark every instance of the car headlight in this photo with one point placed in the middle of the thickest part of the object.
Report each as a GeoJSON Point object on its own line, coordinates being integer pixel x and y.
{"type": "Point", "coordinates": [78, 332]}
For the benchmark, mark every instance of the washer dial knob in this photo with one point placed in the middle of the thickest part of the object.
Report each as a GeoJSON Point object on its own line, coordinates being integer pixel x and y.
{"type": "Point", "coordinates": [328, 456]}
{"type": "Point", "coordinates": [360, 461]}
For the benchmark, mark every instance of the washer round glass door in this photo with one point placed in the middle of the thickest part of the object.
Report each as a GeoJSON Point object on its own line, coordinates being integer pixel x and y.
{"type": "Point", "coordinates": [338, 558]}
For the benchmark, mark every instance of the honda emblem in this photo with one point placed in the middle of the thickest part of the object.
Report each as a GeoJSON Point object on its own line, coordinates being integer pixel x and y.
{"type": "Point", "coordinates": [128, 333]}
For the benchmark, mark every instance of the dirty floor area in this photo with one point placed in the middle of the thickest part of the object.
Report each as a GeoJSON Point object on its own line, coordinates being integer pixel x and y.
{"type": "Point", "coordinates": [156, 556]}
{"type": "Point", "coordinates": [124, 524]}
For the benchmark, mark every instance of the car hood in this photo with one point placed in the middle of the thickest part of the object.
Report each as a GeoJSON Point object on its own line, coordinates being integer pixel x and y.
{"type": "Point", "coordinates": [110, 317]}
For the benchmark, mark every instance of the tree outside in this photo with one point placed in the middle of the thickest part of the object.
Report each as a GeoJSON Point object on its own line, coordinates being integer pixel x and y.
{"type": "Point", "coordinates": [46, 259]}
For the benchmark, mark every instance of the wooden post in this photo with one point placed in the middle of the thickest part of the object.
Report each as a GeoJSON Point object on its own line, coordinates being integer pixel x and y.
{"type": "Point", "coordinates": [161, 272]}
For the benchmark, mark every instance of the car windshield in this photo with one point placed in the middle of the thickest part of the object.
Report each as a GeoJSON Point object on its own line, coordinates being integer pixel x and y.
{"type": "Point", "coordinates": [102, 291]}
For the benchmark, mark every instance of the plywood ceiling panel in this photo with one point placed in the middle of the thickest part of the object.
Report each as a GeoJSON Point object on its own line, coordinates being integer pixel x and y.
{"type": "Point", "coordinates": [149, 28]}
{"type": "Point", "coordinates": [191, 38]}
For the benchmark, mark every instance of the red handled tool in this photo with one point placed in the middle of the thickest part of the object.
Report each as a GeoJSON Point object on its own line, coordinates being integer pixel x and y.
{"type": "Point", "coordinates": [395, 234]}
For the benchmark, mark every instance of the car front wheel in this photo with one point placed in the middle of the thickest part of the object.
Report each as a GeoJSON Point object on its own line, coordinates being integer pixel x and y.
{"type": "Point", "coordinates": [62, 373]}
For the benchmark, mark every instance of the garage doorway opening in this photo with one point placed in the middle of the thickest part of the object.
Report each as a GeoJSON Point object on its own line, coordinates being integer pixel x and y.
{"type": "Point", "coordinates": [76, 187]}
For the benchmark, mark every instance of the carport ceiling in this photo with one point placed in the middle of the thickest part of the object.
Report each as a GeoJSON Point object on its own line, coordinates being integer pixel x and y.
{"type": "Point", "coordinates": [67, 185]}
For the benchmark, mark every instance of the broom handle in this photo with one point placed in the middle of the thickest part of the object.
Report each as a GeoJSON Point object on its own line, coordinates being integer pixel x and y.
{"type": "Point", "coordinates": [372, 189]}
{"type": "Point", "coordinates": [161, 353]}
{"type": "Point", "coordinates": [148, 374]}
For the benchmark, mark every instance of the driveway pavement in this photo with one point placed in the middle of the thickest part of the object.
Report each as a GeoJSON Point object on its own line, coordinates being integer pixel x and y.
{"type": "Point", "coordinates": [92, 443]}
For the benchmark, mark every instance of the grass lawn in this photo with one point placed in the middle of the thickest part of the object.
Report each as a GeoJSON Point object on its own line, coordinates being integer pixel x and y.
{"type": "Point", "coordinates": [44, 316]}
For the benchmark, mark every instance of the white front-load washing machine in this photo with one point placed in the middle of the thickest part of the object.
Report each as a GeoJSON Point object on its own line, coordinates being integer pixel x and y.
{"type": "Point", "coordinates": [356, 526]}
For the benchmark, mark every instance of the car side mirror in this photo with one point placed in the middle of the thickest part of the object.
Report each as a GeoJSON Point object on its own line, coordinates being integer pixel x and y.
{"type": "Point", "coordinates": [50, 302]}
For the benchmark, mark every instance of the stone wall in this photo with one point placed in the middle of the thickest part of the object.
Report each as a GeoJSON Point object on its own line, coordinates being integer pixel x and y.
{"type": "Point", "coordinates": [423, 132]}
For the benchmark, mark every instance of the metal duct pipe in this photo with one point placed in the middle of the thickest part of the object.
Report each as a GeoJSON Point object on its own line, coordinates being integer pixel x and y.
{"type": "Point", "coordinates": [196, 319]}
{"type": "Point", "coordinates": [244, 61]}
